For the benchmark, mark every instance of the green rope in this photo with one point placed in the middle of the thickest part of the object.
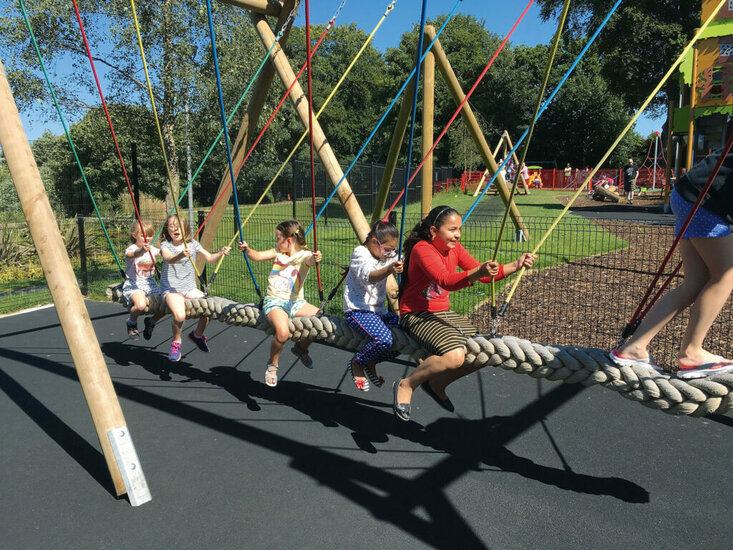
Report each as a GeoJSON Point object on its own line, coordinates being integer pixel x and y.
{"type": "Point", "coordinates": [68, 135]}
{"type": "Point", "coordinates": [221, 132]}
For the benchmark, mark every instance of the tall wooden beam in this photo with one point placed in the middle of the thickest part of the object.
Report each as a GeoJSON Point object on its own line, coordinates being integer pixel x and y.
{"type": "Point", "coordinates": [428, 111]}
{"type": "Point", "coordinates": [472, 124]}
{"type": "Point", "coordinates": [398, 136]}
{"type": "Point", "coordinates": [320, 143]}
{"type": "Point", "coordinates": [73, 315]}
{"type": "Point", "coordinates": [246, 129]}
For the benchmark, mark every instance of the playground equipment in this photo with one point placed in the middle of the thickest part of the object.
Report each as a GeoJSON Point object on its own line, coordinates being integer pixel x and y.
{"type": "Point", "coordinates": [505, 144]}
{"type": "Point", "coordinates": [652, 170]}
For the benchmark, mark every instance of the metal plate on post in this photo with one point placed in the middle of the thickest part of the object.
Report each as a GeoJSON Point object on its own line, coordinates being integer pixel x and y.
{"type": "Point", "coordinates": [130, 468]}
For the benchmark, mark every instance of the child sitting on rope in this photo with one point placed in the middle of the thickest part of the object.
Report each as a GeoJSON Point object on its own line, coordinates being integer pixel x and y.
{"type": "Point", "coordinates": [365, 290]}
{"type": "Point", "coordinates": [707, 260]}
{"type": "Point", "coordinates": [178, 280]}
{"type": "Point", "coordinates": [140, 259]}
{"type": "Point", "coordinates": [284, 297]}
{"type": "Point", "coordinates": [432, 253]}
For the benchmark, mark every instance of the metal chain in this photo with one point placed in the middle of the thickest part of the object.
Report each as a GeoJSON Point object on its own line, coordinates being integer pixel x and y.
{"type": "Point", "coordinates": [288, 21]}
{"type": "Point", "coordinates": [332, 21]}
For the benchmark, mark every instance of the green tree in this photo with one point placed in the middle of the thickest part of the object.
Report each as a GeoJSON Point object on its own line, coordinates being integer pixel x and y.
{"type": "Point", "coordinates": [639, 43]}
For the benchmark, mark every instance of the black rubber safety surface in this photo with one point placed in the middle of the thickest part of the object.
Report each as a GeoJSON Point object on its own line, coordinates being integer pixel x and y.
{"type": "Point", "coordinates": [314, 463]}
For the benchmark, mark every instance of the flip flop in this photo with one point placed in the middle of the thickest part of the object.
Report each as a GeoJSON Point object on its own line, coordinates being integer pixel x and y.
{"type": "Point", "coordinates": [688, 372]}
{"type": "Point", "coordinates": [622, 361]}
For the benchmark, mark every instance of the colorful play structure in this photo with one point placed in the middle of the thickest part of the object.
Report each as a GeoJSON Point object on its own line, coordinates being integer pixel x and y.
{"type": "Point", "coordinates": [567, 363]}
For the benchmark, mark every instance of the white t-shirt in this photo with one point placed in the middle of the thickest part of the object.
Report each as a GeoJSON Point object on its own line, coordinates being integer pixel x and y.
{"type": "Point", "coordinates": [359, 293]}
{"type": "Point", "coordinates": [140, 269]}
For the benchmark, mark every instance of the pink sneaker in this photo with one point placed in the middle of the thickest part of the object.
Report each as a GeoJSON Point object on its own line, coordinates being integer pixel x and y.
{"type": "Point", "coordinates": [175, 353]}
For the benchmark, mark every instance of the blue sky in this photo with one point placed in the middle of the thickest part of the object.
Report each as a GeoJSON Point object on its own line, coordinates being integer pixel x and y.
{"type": "Point", "coordinates": [498, 15]}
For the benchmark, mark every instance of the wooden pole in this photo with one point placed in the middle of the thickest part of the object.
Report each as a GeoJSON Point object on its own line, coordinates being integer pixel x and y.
{"type": "Point", "coordinates": [668, 168]}
{"type": "Point", "coordinates": [259, 6]}
{"type": "Point", "coordinates": [693, 100]}
{"type": "Point", "coordinates": [472, 124]}
{"type": "Point", "coordinates": [73, 315]}
{"type": "Point", "coordinates": [428, 110]}
{"type": "Point", "coordinates": [325, 153]}
{"type": "Point", "coordinates": [239, 149]}
{"type": "Point", "coordinates": [398, 137]}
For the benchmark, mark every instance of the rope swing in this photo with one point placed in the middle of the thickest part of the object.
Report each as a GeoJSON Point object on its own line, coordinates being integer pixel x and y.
{"type": "Point", "coordinates": [569, 364]}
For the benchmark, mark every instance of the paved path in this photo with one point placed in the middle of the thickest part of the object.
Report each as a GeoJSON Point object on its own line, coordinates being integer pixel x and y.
{"type": "Point", "coordinates": [315, 464]}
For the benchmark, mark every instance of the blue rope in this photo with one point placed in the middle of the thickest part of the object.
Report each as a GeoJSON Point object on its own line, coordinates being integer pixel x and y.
{"type": "Point", "coordinates": [418, 61]}
{"type": "Point", "coordinates": [226, 139]}
{"type": "Point", "coordinates": [544, 106]}
{"type": "Point", "coordinates": [384, 116]}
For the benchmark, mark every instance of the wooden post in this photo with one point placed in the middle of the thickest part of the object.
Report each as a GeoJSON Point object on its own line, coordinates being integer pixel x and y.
{"type": "Point", "coordinates": [398, 137]}
{"type": "Point", "coordinates": [693, 97]}
{"type": "Point", "coordinates": [320, 143]}
{"type": "Point", "coordinates": [668, 168]}
{"type": "Point", "coordinates": [83, 344]}
{"type": "Point", "coordinates": [428, 109]}
{"type": "Point", "coordinates": [508, 141]}
{"type": "Point", "coordinates": [472, 124]}
{"type": "Point", "coordinates": [239, 148]}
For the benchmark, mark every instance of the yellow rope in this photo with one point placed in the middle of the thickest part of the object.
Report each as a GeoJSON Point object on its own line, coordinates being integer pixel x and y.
{"type": "Point", "coordinates": [615, 143]}
{"type": "Point", "coordinates": [160, 133]}
{"type": "Point", "coordinates": [302, 137]}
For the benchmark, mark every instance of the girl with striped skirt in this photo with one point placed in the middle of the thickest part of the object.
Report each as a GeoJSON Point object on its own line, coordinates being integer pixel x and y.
{"type": "Point", "coordinates": [431, 255]}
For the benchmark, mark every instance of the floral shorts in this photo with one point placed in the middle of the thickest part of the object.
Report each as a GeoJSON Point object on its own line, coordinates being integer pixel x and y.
{"type": "Point", "coordinates": [290, 307]}
{"type": "Point", "coordinates": [147, 286]}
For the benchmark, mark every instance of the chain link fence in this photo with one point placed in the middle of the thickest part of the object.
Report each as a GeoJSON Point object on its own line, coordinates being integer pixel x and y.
{"type": "Point", "coordinates": [587, 283]}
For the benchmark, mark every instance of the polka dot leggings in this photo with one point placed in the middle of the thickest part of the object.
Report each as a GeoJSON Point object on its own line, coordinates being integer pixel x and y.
{"type": "Point", "coordinates": [374, 326]}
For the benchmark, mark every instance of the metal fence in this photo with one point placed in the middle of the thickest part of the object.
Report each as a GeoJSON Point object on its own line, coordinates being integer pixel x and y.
{"type": "Point", "coordinates": [588, 282]}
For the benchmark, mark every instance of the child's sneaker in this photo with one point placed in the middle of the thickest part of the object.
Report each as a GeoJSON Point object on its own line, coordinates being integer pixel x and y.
{"type": "Point", "coordinates": [132, 331]}
{"type": "Point", "coordinates": [149, 326]}
{"type": "Point", "coordinates": [175, 353]}
{"type": "Point", "coordinates": [199, 341]}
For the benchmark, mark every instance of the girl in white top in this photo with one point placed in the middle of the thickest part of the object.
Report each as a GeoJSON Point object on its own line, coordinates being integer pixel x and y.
{"type": "Point", "coordinates": [284, 297]}
{"type": "Point", "coordinates": [178, 281]}
{"type": "Point", "coordinates": [140, 258]}
{"type": "Point", "coordinates": [365, 291]}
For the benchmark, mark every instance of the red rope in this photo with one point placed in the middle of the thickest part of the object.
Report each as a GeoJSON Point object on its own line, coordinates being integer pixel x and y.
{"type": "Point", "coordinates": [458, 110]}
{"type": "Point", "coordinates": [310, 134]}
{"type": "Point", "coordinates": [267, 124]}
{"type": "Point", "coordinates": [111, 127]}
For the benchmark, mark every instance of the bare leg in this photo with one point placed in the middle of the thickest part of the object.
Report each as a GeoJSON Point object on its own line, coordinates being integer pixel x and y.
{"type": "Point", "coordinates": [441, 381]}
{"type": "Point", "coordinates": [177, 304]}
{"type": "Point", "coordinates": [308, 310]}
{"type": "Point", "coordinates": [139, 303]}
{"type": "Point", "coordinates": [201, 326]}
{"type": "Point", "coordinates": [670, 305]}
{"type": "Point", "coordinates": [717, 253]}
{"type": "Point", "coordinates": [428, 369]}
{"type": "Point", "coordinates": [279, 321]}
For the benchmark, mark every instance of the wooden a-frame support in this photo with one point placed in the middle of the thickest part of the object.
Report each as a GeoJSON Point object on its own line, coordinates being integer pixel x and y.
{"type": "Point", "coordinates": [437, 54]}
{"type": "Point", "coordinates": [505, 144]}
{"type": "Point", "coordinates": [73, 315]}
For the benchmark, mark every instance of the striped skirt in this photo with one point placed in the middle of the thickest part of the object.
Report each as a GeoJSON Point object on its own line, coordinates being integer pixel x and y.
{"type": "Point", "coordinates": [438, 332]}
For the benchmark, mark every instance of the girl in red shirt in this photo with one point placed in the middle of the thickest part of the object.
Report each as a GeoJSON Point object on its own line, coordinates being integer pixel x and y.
{"type": "Point", "coordinates": [431, 255]}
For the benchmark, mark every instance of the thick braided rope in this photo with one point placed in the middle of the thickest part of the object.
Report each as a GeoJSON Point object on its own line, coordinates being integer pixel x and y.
{"type": "Point", "coordinates": [570, 364]}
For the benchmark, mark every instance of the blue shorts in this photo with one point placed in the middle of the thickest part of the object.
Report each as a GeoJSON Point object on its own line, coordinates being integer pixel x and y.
{"type": "Point", "coordinates": [704, 224]}
{"type": "Point", "coordinates": [290, 307]}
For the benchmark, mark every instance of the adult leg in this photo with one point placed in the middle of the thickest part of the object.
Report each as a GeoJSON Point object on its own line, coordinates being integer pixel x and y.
{"type": "Point", "coordinates": [671, 304]}
{"type": "Point", "coordinates": [717, 254]}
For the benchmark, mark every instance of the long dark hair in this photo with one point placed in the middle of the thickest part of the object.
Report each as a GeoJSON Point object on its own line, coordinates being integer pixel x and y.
{"type": "Point", "coordinates": [383, 230]}
{"type": "Point", "coordinates": [421, 232]}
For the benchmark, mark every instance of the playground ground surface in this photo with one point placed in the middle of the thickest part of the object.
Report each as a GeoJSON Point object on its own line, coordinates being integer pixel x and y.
{"type": "Point", "coordinates": [523, 463]}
